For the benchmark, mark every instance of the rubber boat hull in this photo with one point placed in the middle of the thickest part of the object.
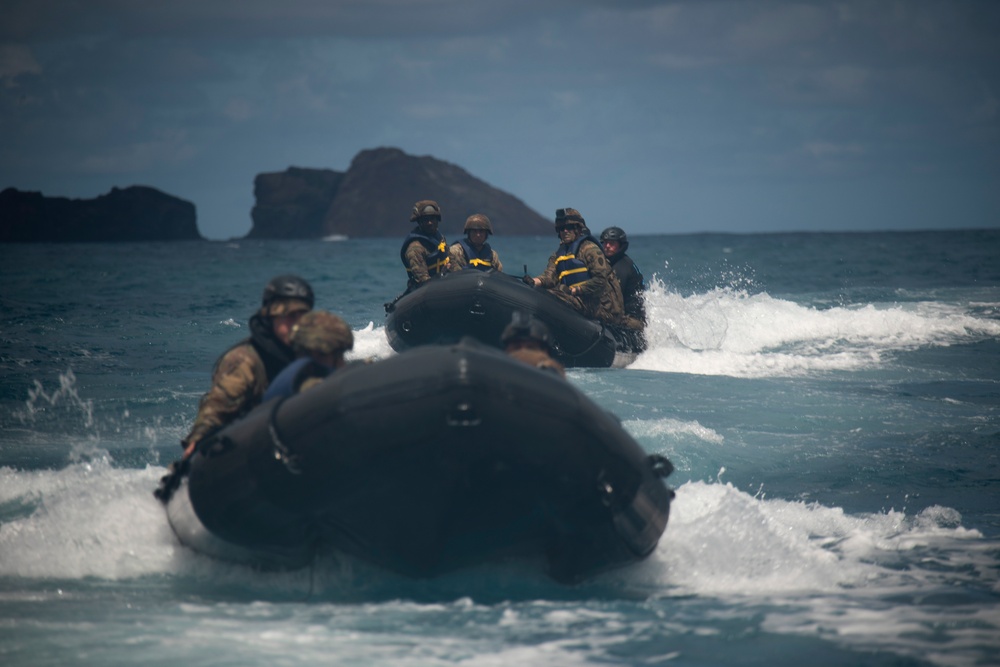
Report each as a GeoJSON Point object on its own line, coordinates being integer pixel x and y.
{"type": "Point", "coordinates": [481, 304]}
{"type": "Point", "coordinates": [436, 459]}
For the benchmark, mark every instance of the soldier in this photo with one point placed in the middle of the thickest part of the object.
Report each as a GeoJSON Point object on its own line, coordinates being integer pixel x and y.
{"type": "Point", "coordinates": [528, 340]}
{"type": "Point", "coordinates": [319, 341]}
{"type": "Point", "coordinates": [614, 242]}
{"type": "Point", "coordinates": [473, 251]}
{"type": "Point", "coordinates": [243, 372]}
{"type": "Point", "coordinates": [425, 251]}
{"type": "Point", "coordinates": [579, 274]}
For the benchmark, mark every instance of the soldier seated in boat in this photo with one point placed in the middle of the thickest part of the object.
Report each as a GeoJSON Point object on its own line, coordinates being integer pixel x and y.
{"type": "Point", "coordinates": [528, 340]}
{"type": "Point", "coordinates": [243, 373]}
{"type": "Point", "coordinates": [425, 250]}
{"type": "Point", "coordinates": [579, 274]}
{"type": "Point", "coordinates": [474, 252]}
{"type": "Point", "coordinates": [319, 340]}
{"type": "Point", "coordinates": [614, 243]}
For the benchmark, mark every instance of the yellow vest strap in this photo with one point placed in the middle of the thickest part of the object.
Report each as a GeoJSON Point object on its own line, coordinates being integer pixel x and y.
{"type": "Point", "coordinates": [562, 275]}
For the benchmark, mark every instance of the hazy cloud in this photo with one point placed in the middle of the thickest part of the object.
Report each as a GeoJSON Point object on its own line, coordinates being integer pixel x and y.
{"type": "Point", "coordinates": [16, 60]}
{"type": "Point", "coordinates": [612, 106]}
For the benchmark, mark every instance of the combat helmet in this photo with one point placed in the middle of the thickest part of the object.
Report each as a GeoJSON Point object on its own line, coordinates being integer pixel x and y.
{"type": "Point", "coordinates": [525, 327]}
{"type": "Point", "coordinates": [286, 294]}
{"type": "Point", "coordinates": [615, 234]}
{"type": "Point", "coordinates": [321, 333]}
{"type": "Point", "coordinates": [425, 208]}
{"type": "Point", "coordinates": [478, 221]}
{"type": "Point", "coordinates": [566, 216]}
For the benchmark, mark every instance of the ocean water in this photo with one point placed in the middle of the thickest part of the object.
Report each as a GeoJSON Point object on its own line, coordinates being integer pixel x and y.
{"type": "Point", "coordinates": [831, 403]}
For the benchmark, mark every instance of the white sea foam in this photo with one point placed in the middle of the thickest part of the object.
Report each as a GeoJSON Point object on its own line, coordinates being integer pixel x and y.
{"type": "Point", "coordinates": [730, 332]}
{"type": "Point", "coordinates": [88, 519]}
{"type": "Point", "coordinates": [92, 519]}
{"type": "Point", "coordinates": [811, 568]}
{"type": "Point", "coordinates": [649, 428]}
{"type": "Point", "coordinates": [723, 541]}
{"type": "Point", "coordinates": [370, 342]}
{"type": "Point", "coordinates": [824, 571]}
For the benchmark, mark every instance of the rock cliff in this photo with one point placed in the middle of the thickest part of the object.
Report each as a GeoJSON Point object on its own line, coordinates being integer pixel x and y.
{"type": "Point", "coordinates": [136, 213]}
{"type": "Point", "coordinates": [292, 204]}
{"type": "Point", "coordinates": [374, 197]}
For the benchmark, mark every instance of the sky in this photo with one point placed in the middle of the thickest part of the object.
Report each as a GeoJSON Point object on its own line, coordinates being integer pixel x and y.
{"type": "Point", "coordinates": [659, 117]}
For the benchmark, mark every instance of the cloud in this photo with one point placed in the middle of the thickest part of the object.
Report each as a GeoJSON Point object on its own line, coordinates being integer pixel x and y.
{"type": "Point", "coordinates": [675, 61]}
{"type": "Point", "coordinates": [239, 109]}
{"type": "Point", "coordinates": [606, 103]}
{"type": "Point", "coordinates": [265, 19]}
{"type": "Point", "coordinates": [823, 149]}
{"type": "Point", "coordinates": [16, 60]}
{"type": "Point", "coordinates": [169, 147]}
{"type": "Point", "coordinates": [778, 27]}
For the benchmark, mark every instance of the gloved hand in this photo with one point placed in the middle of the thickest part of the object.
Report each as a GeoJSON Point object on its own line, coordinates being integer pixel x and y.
{"type": "Point", "coordinates": [528, 280]}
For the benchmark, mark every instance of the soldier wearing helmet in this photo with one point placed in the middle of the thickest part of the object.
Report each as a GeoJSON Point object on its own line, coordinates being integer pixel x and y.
{"type": "Point", "coordinates": [527, 339]}
{"type": "Point", "coordinates": [243, 373]}
{"type": "Point", "coordinates": [319, 340]}
{"type": "Point", "coordinates": [425, 250]}
{"type": "Point", "coordinates": [579, 274]}
{"type": "Point", "coordinates": [473, 252]}
{"type": "Point", "coordinates": [614, 243]}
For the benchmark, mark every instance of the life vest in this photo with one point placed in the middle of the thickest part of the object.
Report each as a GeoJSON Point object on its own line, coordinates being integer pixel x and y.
{"type": "Point", "coordinates": [288, 380]}
{"type": "Point", "coordinates": [482, 260]}
{"type": "Point", "coordinates": [571, 270]}
{"type": "Point", "coordinates": [437, 251]}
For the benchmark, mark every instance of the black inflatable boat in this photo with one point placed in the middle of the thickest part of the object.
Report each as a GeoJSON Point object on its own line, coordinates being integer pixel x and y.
{"type": "Point", "coordinates": [481, 304]}
{"type": "Point", "coordinates": [436, 459]}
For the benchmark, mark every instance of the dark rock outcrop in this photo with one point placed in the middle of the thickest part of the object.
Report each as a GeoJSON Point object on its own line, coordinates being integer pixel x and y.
{"type": "Point", "coordinates": [374, 196]}
{"type": "Point", "coordinates": [136, 213]}
{"type": "Point", "coordinates": [292, 204]}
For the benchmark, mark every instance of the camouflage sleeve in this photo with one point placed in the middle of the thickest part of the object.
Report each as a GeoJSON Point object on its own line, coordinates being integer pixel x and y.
{"type": "Point", "coordinates": [416, 261]}
{"type": "Point", "coordinates": [548, 276]}
{"type": "Point", "coordinates": [456, 257]}
{"type": "Point", "coordinates": [496, 262]}
{"type": "Point", "coordinates": [238, 383]}
{"type": "Point", "coordinates": [599, 268]}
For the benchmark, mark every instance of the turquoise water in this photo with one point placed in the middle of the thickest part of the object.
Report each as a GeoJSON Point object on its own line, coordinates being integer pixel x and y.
{"type": "Point", "coordinates": [831, 403]}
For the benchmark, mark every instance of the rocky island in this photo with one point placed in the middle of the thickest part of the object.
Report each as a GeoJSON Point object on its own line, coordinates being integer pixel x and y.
{"type": "Point", "coordinates": [135, 213]}
{"type": "Point", "coordinates": [374, 196]}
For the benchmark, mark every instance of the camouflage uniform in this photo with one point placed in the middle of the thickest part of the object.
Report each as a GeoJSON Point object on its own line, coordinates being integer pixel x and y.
{"type": "Point", "coordinates": [464, 254]}
{"type": "Point", "coordinates": [416, 262]}
{"type": "Point", "coordinates": [242, 374]}
{"type": "Point", "coordinates": [599, 297]}
{"type": "Point", "coordinates": [238, 384]}
{"type": "Point", "coordinates": [539, 359]}
{"type": "Point", "coordinates": [425, 250]}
